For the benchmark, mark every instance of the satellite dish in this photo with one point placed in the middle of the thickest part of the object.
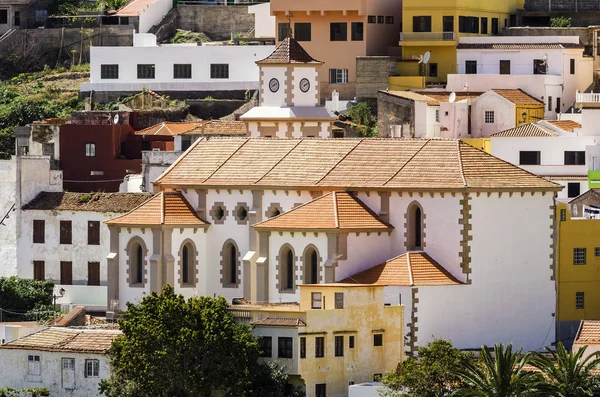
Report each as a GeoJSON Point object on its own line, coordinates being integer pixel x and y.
{"type": "Point", "coordinates": [426, 57]}
{"type": "Point", "coordinates": [466, 87]}
{"type": "Point", "coordinates": [116, 119]}
{"type": "Point", "coordinates": [452, 97]}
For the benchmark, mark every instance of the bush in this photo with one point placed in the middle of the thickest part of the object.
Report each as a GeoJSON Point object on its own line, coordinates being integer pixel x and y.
{"type": "Point", "coordinates": [25, 296]}
{"type": "Point", "coordinates": [560, 22]}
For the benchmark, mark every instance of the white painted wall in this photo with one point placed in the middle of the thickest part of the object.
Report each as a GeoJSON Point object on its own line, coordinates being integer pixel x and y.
{"type": "Point", "coordinates": [421, 119]}
{"type": "Point", "coordinates": [290, 364]}
{"type": "Point", "coordinates": [504, 115]}
{"type": "Point", "coordinates": [268, 97]}
{"type": "Point", "coordinates": [198, 238]}
{"type": "Point", "coordinates": [12, 331]}
{"type": "Point", "coordinates": [264, 23]}
{"type": "Point", "coordinates": [309, 98]}
{"type": "Point", "coordinates": [153, 14]}
{"type": "Point", "coordinates": [13, 366]}
{"type": "Point", "coordinates": [127, 293]}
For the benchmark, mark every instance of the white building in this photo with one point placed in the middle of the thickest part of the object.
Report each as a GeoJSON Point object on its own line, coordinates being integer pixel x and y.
{"type": "Point", "coordinates": [144, 13]}
{"type": "Point", "coordinates": [264, 22]}
{"type": "Point", "coordinates": [549, 68]}
{"type": "Point", "coordinates": [174, 67]}
{"type": "Point", "coordinates": [255, 218]}
{"type": "Point", "coordinates": [66, 361]}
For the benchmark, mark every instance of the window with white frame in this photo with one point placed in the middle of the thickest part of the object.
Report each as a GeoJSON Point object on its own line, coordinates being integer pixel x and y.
{"type": "Point", "coordinates": [489, 117]}
{"type": "Point", "coordinates": [90, 150]}
{"type": "Point", "coordinates": [316, 300]}
{"type": "Point", "coordinates": [579, 256]}
{"type": "Point", "coordinates": [34, 365]}
{"type": "Point", "coordinates": [92, 368]}
{"type": "Point", "coordinates": [338, 76]}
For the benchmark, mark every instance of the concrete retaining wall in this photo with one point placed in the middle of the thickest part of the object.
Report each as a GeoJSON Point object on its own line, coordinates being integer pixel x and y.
{"type": "Point", "coordinates": [218, 22]}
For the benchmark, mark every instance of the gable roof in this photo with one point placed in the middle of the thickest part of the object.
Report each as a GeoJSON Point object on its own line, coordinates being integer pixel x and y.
{"type": "Point", "coordinates": [59, 339]}
{"type": "Point", "coordinates": [344, 164]}
{"type": "Point", "coordinates": [410, 269]}
{"type": "Point", "coordinates": [289, 51]}
{"type": "Point", "coordinates": [518, 97]}
{"type": "Point", "coordinates": [333, 211]}
{"type": "Point", "coordinates": [565, 125]}
{"type": "Point", "coordinates": [588, 333]}
{"type": "Point", "coordinates": [90, 202]}
{"type": "Point", "coordinates": [525, 131]}
{"type": "Point", "coordinates": [279, 322]}
{"type": "Point", "coordinates": [169, 128]}
{"type": "Point", "coordinates": [165, 208]}
{"type": "Point", "coordinates": [584, 197]}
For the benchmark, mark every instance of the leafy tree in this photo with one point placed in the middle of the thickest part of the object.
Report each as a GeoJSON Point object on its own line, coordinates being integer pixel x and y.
{"type": "Point", "coordinates": [505, 376]}
{"type": "Point", "coordinates": [569, 373]}
{"type": "Point", "coordinates": [173, 347]}
{"type": "Point", "coordinates": [362, 114]}
{"type": "Point", "coordinates": [18, 295]}
{"type": "Point", "coordinates": [432, 374]}
{"type": "Point", "coordinates": [560, 22]}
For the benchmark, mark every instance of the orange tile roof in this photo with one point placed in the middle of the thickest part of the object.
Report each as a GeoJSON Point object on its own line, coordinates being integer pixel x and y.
{"type": "Point", "coordinates": [410, 269]}
{"type": "Point", "coordinates": [342, 164]}
{"type": "Point", "coordinates": [92, 202]}
{"type": "Point", "coordinates": [518, 97]}
{"type": "Point", "coordinates": [73, 340]}
{"type": "Point", "coordinates": [565, 125]}
{"type": "Point", "coordinates": [219, 127]}
{"type": "Point", "coordinates": [526, 131]}
{"type": "Point", "coordinates": [589, 333]}
{"type": "Point", "coordinates": [169, 128]}
{"type": "Point", "coordinates": [134, 8]}
{"type": "Point", "coordinates": [432, 98]}
{"type": "Point", "coordinates": [280, 322]}
{"type": "Point", "coordinates": [165, 208]}
{"type": "Point", "coordinates": [333, 211]}
{"type": "Point", "coordinates": [289, 51]}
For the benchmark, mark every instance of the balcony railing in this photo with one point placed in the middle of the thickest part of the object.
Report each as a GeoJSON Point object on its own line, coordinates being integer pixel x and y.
{"type": "Point", "coordinates": [587, 97]}
{"type": "Point", "coordinates": [427, 36]}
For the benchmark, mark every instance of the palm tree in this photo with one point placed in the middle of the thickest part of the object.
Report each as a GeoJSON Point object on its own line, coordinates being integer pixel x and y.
{"type": "Point", "coordinates": [569, 373]}
{"type": "Point", "coordinates": [503, 375]}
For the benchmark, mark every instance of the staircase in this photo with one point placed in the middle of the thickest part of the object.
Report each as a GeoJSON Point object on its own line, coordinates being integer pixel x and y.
{"type": "Point", "coordinates": [6, 35]}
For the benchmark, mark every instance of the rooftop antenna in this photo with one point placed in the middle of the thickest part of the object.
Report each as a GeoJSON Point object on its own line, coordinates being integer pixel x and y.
{"type": "Point", "coordinates": [289, 16]}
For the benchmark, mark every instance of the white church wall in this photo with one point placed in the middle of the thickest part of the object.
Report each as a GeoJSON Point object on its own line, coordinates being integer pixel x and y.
{"type": "Point", "coordinates": [126, 292]}
{"type": "Point", "coordinates": [310, 97]}
{"type": "Point", "coordinates": [198, 238]}
{"type": "Point", "coordinates": [270, 98]}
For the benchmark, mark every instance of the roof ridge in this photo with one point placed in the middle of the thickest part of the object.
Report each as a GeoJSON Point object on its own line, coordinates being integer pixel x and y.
{"type": "Point", "coordinates": [133, 209]}
{"type": "Point", "coordinates": [335, 211]}
{"type": "Point", "coordinates": [361, 140]}
{"type": "Point", "coordinates": [460, 162]}
{"type": "Point", "coordinates": [407, 161]}
{"type": "Point", "coordinates": [410, 272]}
{"type": "Point", "coordinates": [227, 159]}
{"type": "Point", "coordinates": [279, 161]}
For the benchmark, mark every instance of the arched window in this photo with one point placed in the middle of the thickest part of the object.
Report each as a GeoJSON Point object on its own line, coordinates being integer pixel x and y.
{"type": "Point", "coordinates": [188, 264]}
{"type": "Point", "coordinates": [233, 265]}
{"type": "Point", "coordinates": [286, 269]}
{"type": "Point", "coordinates": [139, 264]}
{"type": "Point", "coordinates": [185, 277]}
{"type": "Point", "coordinates": [289, 263]}
{"type": "Point", "coordinates": [311, 266]}
{"type": "Point", "coordinates": [415, 227]}
{"type": "Point", "coordinates": [230, 265]}
{"type": "Point", "coordinates": [136, 262]}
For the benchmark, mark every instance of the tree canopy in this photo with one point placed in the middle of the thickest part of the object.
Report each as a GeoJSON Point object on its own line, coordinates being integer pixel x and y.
{"type": "Point", "coordinates": [171, 347]}
{"type": "Point", "coordinates": [24, 296]}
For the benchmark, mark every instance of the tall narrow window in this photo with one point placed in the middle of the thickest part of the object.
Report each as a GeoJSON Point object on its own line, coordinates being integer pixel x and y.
{"type": "Point", "coordinates": [232, 264]}
{"type": "Point", "coordinates": [495, 29]}
{"type": "Point", "coordinates": [549, 103]}
{"type": "Point", "coordinates": [39, 231]}
{"type": "Point", "coordinates": [93, 273]}
{"type": "Point", "coordinates": [311, 266]}
{"type": "Point", "coordinates": [139, 256]}
{"type": "Point", "coordinates": [303, 347]}
{"type": "Point", "coordinates": [414, 217]}
{"type": "Point", "coordinates": [93, 232]}
{"type": "Point", "coordinates": [572, 66]}
{"type": "Point", "coordinates": [557, 110]}
{"type": "Point", "coordinates": [339, 346]}
{"type": "Point", "coordinates": [65, 232]}
{"type": "Point", "coordinates": [505, 67]}
{"type": "Point", "coordinates": [290, 270]}
{"type": "Point", "coordinates": [448, 23]}
{"type": "Point", "coordinates": [417, 227]}
{"type": "Point", "coordinates": [579, 300]}
{"type": "Point", "coordinates": [66, 273]}
{"type": "Point", "coordinates": [286, 269]}
{"type": "Point", "coordinates": [90, 149]}
{"type": "Point", "coordinates": [184, 265]}
{"type": "Point", "coordinates": [39, 270]}
{"type": "Point", "coordinates": [357, 31]}
{"type": "Point", "coordinates": [319, 346]}
{"type": "Point", "coordinates": [229, 265]}
{"type": "Point", "coordinates": [3, 17]}
{"type": "Point", "coordinates": [484, 25]}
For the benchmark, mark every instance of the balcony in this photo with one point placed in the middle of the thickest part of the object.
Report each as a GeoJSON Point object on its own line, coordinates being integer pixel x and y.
{"type": "Point", "coordinates": [410, 37]}
{"type": "Point", "coordinates": [587, 99]}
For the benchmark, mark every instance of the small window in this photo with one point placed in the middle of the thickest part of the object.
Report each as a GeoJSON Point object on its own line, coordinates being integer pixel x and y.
{"type": "Point", "coordinates": [495, 28]}
{"type": "Point", "coordinates": [338, 31]}
{"type": "Point", "coordinates": [265, 344]}
{"type": "Point", "coordinates": [34, 365]}
{"type": "Point", "coordinates": [377, 339]}
{"type": "Point", "coordinates": [339, 300]}
{"type": "Point", "coordinates": [66, 273]}
{"type": "Point", "coordinates": [41, 16]}
{"type": "Point", "coordinates": [380, 19]}
{"type": "Point", "coordinates": [283, 31]}
{"type": "Point", "coordinates": [90, 150]}
{"type": "Point", "coordinates": [549, 103]}
{"type": "Point", "coordinates": [182, 71]}
{"type": "Point", "coordinates": [484, 25]}
{"type": "Point", "coordinates": [422, 24]}
{"type": "Point", "coordinates": [371, 19]}
{"type": "Point", "coordinates": [145, 71]}
{"type": "Point", "coordinates": [39, 231]}
{"type": "Point", "coordinates": [219, 213]}
{"type": "Point", "coordinates": [319, 346]}
{"type": "Point", "coordinates": [357, 31]}
{"type": "Point", "coordinates": [284, 347]}
{"type": "Point", "coordinates": [505, 67]}
{"type": "Point", "coordinates": [597, 251]}
{"type": "Point", "coordinates": [557, 110]}
{"type": "Point", "coordinates": [563, 216]}
{"type": "Point", "coordinates": [448, 23]}
{"type": "Point", "coordinates": [468, 24]}
{"type": "Point", "coordinates": [17, 18]}
{"type": "Point", "coordinates": [437, 116]}
{"type": "Point", "coordinates": [575, 158]}
{"type": "Point", "coordinates": [219, 71]}
{"type": "Point", "coordinates": [338, 76]}
{"type": "Point", "coordinates": [302, 347]}
{"type": "Point", "coordinates": [316, 299]}
{"type": "Point", "coordinates": [3, 17]}
{"type": "Point", "coordinates": [572, 66]}
{"type": "Point", "coordinates": [92, 368]}
{"type": "Point", "coordinates": [573, 189]}
{"type": "Point", "coordinates": [433, 70]}
{"type": "Point", "coordinates": [470, 67]}
{"type": "Point", "coordinates": [94, 273]}
{"type": "Point", "coordinates": [339, 346]}
{"type": "Point", "coordinates": [93, 232]}
{"type": "Point", "coordinates": [539, 66]}
{"type": "Point", "coordinates": [241, 213]}
{"type": "Point", "coordinates": [489, 117]}
{"type": "Point", "coordinates": [321, 390]}
{"type": "Point", "coordinates": [109, 72]}
{"type": "Point", "coordinates": [579, 300]}
{"type": "Point", "coordinates": [302, 31]}
{"type": "Point", "coordinates": [351, 342]}
{"type": "Point", "coordinates": [529, 158]}
{"type": "Point", "coordinates": [389, 20]}
{"type": "Point", "coordinates": [579, 256]}
{"type": "Point", "coordinates": [66, 232]}
{"type": "Point", "coordinates": [39, 271]}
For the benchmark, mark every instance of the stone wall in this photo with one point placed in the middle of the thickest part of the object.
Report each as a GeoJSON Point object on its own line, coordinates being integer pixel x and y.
{"type": "Point", "coordinates": [372, 75]}
{"type": "Point", "coordinates": [392, 110]}
{"type": "Point", "coordinates": [218, 22]}
{"type": "Point", "coordinates": [214, 109]}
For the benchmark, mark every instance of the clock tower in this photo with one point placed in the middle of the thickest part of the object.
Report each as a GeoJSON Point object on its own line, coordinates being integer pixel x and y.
{"type": "Point", "coordinates": [289, 96]}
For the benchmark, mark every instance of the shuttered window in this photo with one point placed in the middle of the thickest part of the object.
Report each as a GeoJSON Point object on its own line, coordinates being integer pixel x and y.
{"type": "Point", "coordinates": [66, 273]}
{"type": "Point", "coordinates": [39, 227]}
{"type": "Point", "coordinates": [94, 233]}
{"type": "Point", "coordinates": [93, 273]}
{"type": "Point", "coordinates": [65, 232]}
{"type": "Point", "coordinates": [39, 271]}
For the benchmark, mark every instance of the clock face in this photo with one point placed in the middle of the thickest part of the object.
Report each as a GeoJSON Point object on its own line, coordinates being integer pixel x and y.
{"type": "Point", "coordinates": [274, 85]}
{"type": "Point", "coordinates": [304, 85]}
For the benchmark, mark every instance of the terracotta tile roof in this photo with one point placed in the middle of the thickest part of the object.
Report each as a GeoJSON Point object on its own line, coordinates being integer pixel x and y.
{"type": "Point", "coordinates": [432, 98]}
{"type": "Point", "coordinates": [165, 208]}
{"type": "Point", "coordinates": [134, 8]}
{"type": "Point", "coordinates": [169, 128]}
{"type": "Point", "coordinates": [526, 131]}
{"type": "Point", "coordinates": [342, 164]}
{"type": "Point", "coordinates": [565, 125]}
{"type": "Point", "coordinates": [73, 340]}
{"type": "Point", "coordinates": [516, 46]}
{"type": "Point", "coordinates": [589, 333]}
{"type": "Point", "coordinates": [219, 127]}
{"type": "Point", "coordinates": [518, 97]}
{"type": "Point", "coordinates": [410, 269]}
{"type": "Point", "coordinates": [288, 51]}
{"type": "Point", "coordinates": [333, 211]}
{"type": "Point", "coordinates": [280, 322]}
{"type": "Point", "coordinates": [98, 202]}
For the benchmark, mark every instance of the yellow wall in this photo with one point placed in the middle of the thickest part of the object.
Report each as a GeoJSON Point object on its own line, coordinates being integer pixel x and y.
{"type": "Point", "coordinates": [443, 56]}
{"type": "Point", "coordinates": [484, 144]}
{"type": "Point", "coordinates": [403, 83]}
{"type": "Point", "coordinates": [578, 233]}
{"type": "Point", "coordinates": [535, 113]}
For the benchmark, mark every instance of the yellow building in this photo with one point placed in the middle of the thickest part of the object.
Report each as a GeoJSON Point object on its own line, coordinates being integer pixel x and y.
{"type": "Point", "coordinates": [578, 253]}
{"type": "Point", "coordinates": [337, 335]}
{"type": "Point", "coordinates": [436, 26]}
